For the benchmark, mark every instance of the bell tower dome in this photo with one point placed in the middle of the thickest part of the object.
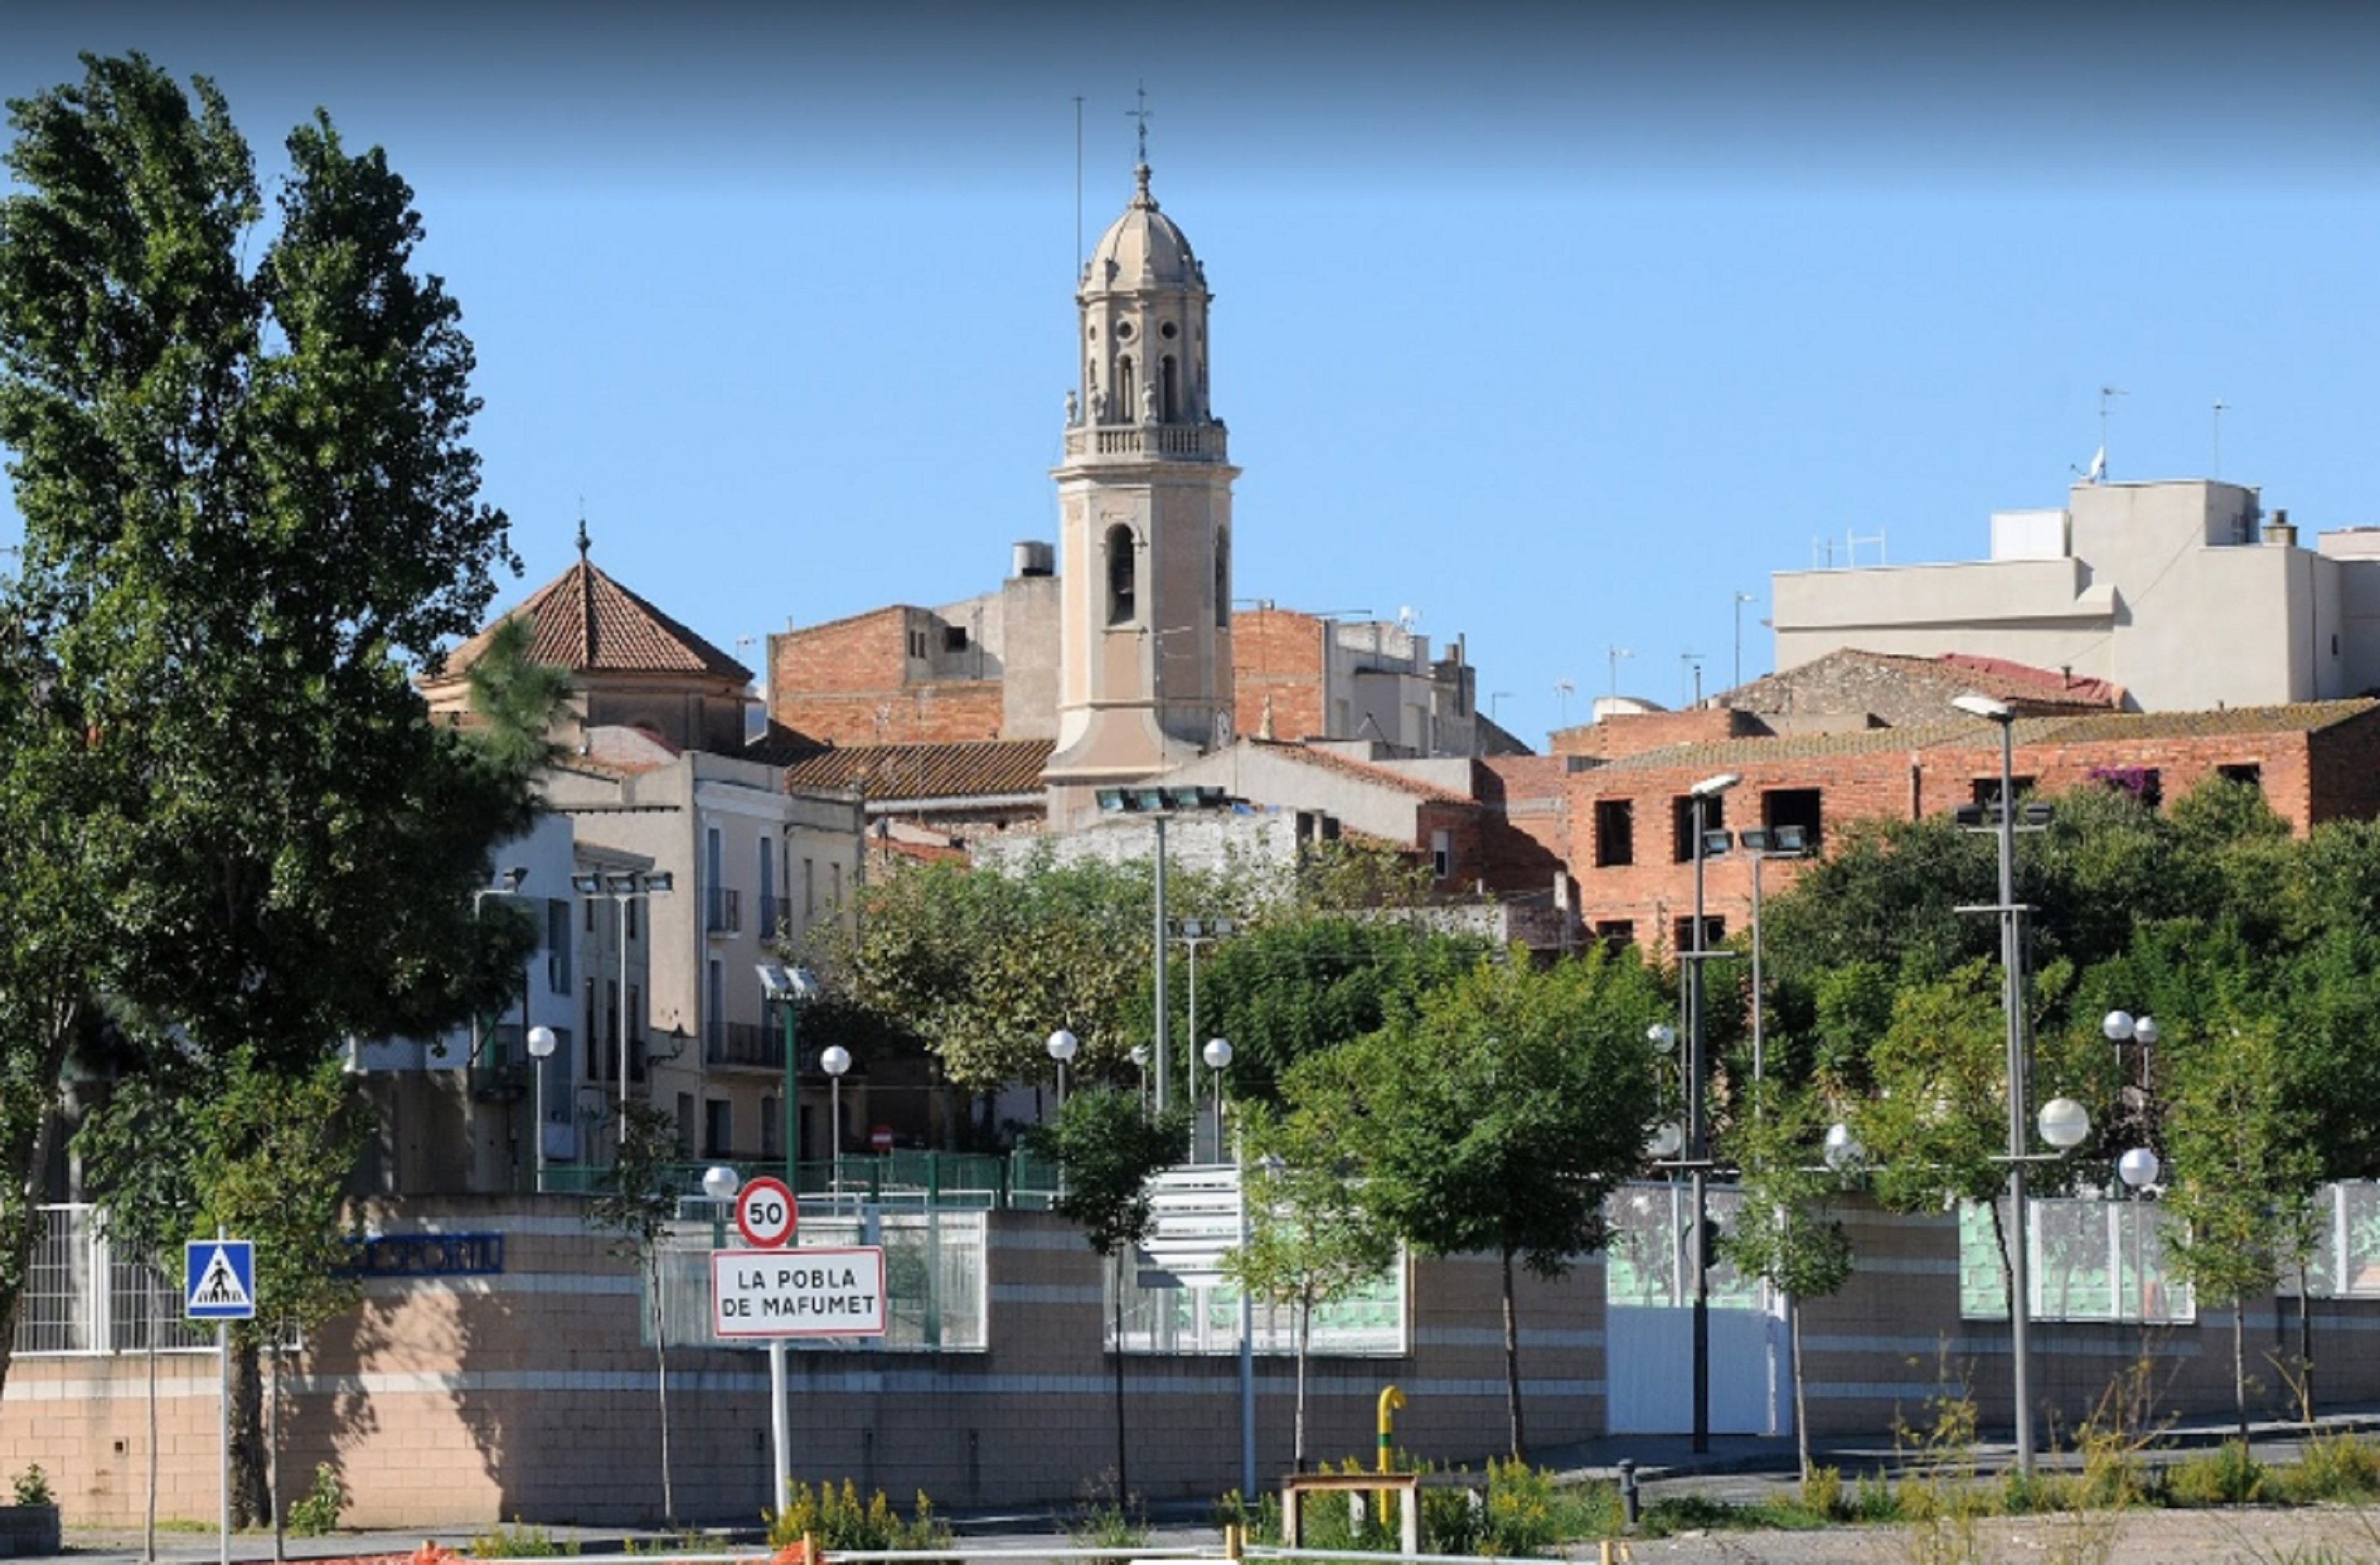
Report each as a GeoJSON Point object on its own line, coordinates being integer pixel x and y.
{"type": "Point", "coordinates": [1144, 515]}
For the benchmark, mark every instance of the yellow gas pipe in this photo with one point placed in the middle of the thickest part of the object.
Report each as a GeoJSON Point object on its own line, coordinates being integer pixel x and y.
{"type": "Point", "coordinates": [1390, 1400]}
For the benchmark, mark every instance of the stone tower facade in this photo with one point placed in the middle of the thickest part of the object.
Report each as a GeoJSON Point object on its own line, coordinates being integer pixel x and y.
{"type": "Point", "coordinates": [1144, 516]}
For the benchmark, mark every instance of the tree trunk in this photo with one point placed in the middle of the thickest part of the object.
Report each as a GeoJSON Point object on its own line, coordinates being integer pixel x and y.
{"type": "Point", "coordinates": [2240, 1364]}
{"type": "Point", "coordinates": [148, 1527]}
{"type": "Point", "coordinates": [2305, 1353]}
{"type": "Point", "coordinates": [1124, 1480]}
{"type": "Point", "coordinates": [273, 1455]}
{"type": "Point", "coordinates": [660, 1374]}
{"type": "Point", "coordinates": [1305, 1347]}
{"type": "Point", "coordinates": [1513, 1363]}
{"type": "Point", "coordinates": [251, 1499]}
{"type": "Point", "coordinates": [1801, 1407]}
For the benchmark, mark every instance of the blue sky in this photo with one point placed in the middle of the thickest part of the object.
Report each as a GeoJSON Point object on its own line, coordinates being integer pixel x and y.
{"type": "Point", "coordinates": [1559, 326]}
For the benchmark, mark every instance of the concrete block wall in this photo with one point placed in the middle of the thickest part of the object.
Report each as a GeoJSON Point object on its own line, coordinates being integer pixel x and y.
{"type": "Point", "coordinates": [469, 1401]}
{"type": "Point", "coordinates": [1893, 1339]}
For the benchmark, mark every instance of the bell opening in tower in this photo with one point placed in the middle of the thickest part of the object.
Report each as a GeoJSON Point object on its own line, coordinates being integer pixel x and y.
{"type": "Point", "coordinates": [1122, 575]}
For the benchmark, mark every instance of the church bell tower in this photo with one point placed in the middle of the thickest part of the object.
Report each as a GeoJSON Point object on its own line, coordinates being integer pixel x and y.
{"type": "Point", "coordinates": [1144, 516]}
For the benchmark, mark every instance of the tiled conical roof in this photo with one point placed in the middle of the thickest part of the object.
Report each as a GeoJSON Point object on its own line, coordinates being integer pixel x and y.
{"type": "Point", "coordinates": [588, 623]}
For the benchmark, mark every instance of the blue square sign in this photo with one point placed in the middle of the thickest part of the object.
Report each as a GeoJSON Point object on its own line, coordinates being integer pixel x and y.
{"type": "Point", "coordinates": [219, 1280]}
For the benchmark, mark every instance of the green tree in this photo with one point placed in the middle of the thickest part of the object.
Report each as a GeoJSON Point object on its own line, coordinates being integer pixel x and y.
{"type": "Point", "coordinates": [272, 1151]}
{"type": "Point", "coordinates": [1785, 1232]}
{"type": "Point", "coordinates": [637, 1202]}
{"type": "Point", "coordinates": [1497, 1113]}
{"type": "Point", "coordinates": [249, 510]}
{"type": "Point", "coordinates": [982, 965]}
{"type": "Point", "coordinates": [1108, 1147]}
{"type": "Point", "coordinates": [1310, 1241]}
{"type": "Point", "coordinates": [2239, 1176]}
{"type": "Point", "coordinates": [1293, 986]}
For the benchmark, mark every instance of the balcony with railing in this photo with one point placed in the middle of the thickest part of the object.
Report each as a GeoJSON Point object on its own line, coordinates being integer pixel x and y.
{"type": "Point", "coordinates": [747, 1045]}
{"type": "Point", "coordinates": [1205, 442]}
{"type": "Point", "coordinates": [724, 915]}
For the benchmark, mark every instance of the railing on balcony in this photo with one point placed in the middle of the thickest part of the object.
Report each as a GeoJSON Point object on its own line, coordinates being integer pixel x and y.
{"type": "Point", "coordinates": [747, 1043]}
{"type": "Point", "coordinates": [725, 914]}
{"type": "Point", "coordinates": [1146, 439]}
{"type": "Point", "coordinates": [920, 1180]}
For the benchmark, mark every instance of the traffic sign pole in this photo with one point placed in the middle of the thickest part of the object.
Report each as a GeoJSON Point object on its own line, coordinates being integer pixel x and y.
{"type": "Point", "coordinates": [766, 1215]}
{"type": "Point", "coordinates": [781, 1423]}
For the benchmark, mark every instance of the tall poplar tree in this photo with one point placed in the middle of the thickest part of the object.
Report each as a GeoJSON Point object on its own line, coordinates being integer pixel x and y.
{"type": "Point", "coordinates": [250, 514]}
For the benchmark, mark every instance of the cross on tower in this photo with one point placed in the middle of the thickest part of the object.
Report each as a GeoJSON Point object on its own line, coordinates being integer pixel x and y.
{"type": "Point", "coordinates": [1141, 113]}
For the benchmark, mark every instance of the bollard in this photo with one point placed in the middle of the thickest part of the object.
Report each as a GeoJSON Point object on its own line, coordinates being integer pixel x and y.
{"type": "Point", "coordinates": [1630, 1502]}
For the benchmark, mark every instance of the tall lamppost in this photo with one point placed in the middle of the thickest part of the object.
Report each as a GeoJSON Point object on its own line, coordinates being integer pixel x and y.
{"type": "Point", "coordinates": [2140, 1167]}
{"type": "Point", "coordinates": [1062, 1048]}
{"type": "Point", "coordinates": [2003, 819]}
{"type": "Point", "coordinates": [1698, 1133]}
{"type": "Point", "coordinates": [787, 988]}
{"type": "Point", "coordinates": [1218, 1055]}
{"type": "Point", "coordinates": [541, 1048]}
{"type": "Point", "coordinates": [623, 887]}
{"type": "Point", "coordinates": [1160, 804]}
{"type": "Point", "coordinates": [1763, 843]}
{"type": "Point", "coordinates": [834, 1061]}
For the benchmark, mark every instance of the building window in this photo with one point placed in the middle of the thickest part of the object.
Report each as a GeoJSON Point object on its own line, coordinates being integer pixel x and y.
{"type": "Point", "coordinates": [809, 889]}
{"type": "Point", "coordinates": [1222, 579]}
{"type": "Point", "coordinates": [685, 1125]}
{"type": "Point", "coordinates": [635, 1032]}
{"type": "Point", "coordinates": [612, 1026]}
{"type": "Point", "coordinates": [1988, 789]}
{"type": "Point", "coordinates": [767, 889]}
{"type": "Point", "coordinates": [1615, 833]}
{"type": "Point", "coordinates": [1442, 856]}
{"type": "Point", "coordinates": [772, 1117]}
{"type": "Point", "coordinates": [1169, 407]}
{"type": "Point", "coordinates": [1615, 935]}
{"type": "Point", "coordinates": [589, 906]}
{"type": "Point", "coordinates": [1794, 807]}
{"type": "Point", "coordinates": [954, 638]}
{"type": "Point", "coordinates": [1123, 576]}
{"type": "Point", "coordinates": [557, 946]}
{"type": "Point", "coordinates": [1127, 390]}
{"type": "Point", "coordinates": [714, 1011]}
{"type": "Point", "coordinates": [835, 883]}
{"type": "Point", "coordinates": [1681, 822]}
{"type": "Point", "coordinates": [2242, 771]}
{"type": "Point", "coordinates": [917, 644]}
{"type": "Point", "coordinates": [718, 1128]}
{"type": "Point", "coordinates": [594, 1037]}
{"type": "Point", "coordinates": [628, 918]}
{"type": "Point", "coordinates": [2141, 781]}
{"type": "Point", "coordinates": [1713, 931]}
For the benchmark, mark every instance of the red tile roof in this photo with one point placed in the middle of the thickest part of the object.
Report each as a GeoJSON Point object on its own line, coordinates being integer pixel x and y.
{"type": "Point", "coordinates": [588, 623]}
{"type": "Point", "coordinates": [989, 769]}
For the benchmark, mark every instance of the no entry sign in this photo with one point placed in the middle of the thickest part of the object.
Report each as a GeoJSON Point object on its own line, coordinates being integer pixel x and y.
{"type": "Point", "coordinates": [765, 1214]}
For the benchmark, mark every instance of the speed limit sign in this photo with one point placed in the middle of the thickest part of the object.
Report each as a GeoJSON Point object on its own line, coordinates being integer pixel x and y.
{"type": "Point", "coordinates": [765, 1215]}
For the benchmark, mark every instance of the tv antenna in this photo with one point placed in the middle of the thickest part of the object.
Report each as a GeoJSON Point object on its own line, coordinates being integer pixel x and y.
{"type": "Point", "coordinates": [1563, 688]}
{"type": "Point", "coordinates": [2220, 405]}
{"type": "Point", "coordinates": [1690, 667]}
{"type": "Point", "coordinates": [2106, 395]}
{"type": "Point", "coordinates": [1615, 654]}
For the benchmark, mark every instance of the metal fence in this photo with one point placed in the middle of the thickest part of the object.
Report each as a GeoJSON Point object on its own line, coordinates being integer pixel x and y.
{"type": "Point", "coordinates": [81, 1296]}
{"type": "Point", "coordinates": [934, 1276]}
{"type": "Point", "coordinates": [2090, 1260]}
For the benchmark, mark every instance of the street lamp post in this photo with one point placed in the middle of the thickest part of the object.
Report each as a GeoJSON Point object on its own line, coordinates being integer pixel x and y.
{"type": "Point", "coordinates": [2020, 1260]}
{"type": "Point", "coordinates": [541, 1048]}
{"type": "Point", "coordinates": [1698, 1133]}
{"type": "Point", "coordinates": [625, 887]}
{"type": "Point", "coordinates": [1218, 1055]}
{"type": "Point", "coordinates": [1160, 804]}
{"type": "Point", "coordinates": [1763, 843]}
{"type": "Point", "coordinates": [1062, 1048]}
{"type": "Point", "coordinates": [834, 1061]}
{"type": "Point", "coordinates": [787, 988]}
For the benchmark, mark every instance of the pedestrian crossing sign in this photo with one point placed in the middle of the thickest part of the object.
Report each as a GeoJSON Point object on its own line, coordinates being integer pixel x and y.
{"type": "Point", "coordinates": [220, 1279]}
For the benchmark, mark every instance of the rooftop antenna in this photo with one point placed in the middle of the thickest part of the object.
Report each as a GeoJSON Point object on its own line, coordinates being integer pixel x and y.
{"type": "Point", "coordinates": [1617, 653]}
{"type": "Point", "coordinates": [2220, 405]}
{"type": "Point", "coordinates": [1690, 667]}
{"type": "Point", "coordinates": [2099, 467]}
{"type": "Point", "coordinates": [1742, 598]}
{"type": "Point", "coordinates": [1563, 688]}
{"type": "Point", "coordinates": [1141, 113]}
{"type": "Point", "coordinates": [1408, 617]}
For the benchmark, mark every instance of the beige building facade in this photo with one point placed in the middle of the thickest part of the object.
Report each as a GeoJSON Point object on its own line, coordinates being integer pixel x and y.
{"type": "Point", "coordinates": [2185, 594]}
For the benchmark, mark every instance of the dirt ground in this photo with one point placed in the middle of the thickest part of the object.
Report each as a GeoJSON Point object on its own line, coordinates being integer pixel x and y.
{"type": "Point", "coordinates": [2249, 1535]}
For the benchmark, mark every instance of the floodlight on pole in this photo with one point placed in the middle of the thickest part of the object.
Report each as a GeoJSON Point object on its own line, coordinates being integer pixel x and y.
{"type": "Point", "coordinates": [1697, 1132]}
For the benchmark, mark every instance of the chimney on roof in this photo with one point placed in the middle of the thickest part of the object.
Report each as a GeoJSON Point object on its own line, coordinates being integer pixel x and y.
{"type": "Point", "coordinates": [2279, 532]}
{"type": "Point", "coordinates": [1031, 558]}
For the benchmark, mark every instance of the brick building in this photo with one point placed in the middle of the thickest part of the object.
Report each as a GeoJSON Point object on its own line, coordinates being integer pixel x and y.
{"type": "Point", "coordinates": [1627, 824]}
